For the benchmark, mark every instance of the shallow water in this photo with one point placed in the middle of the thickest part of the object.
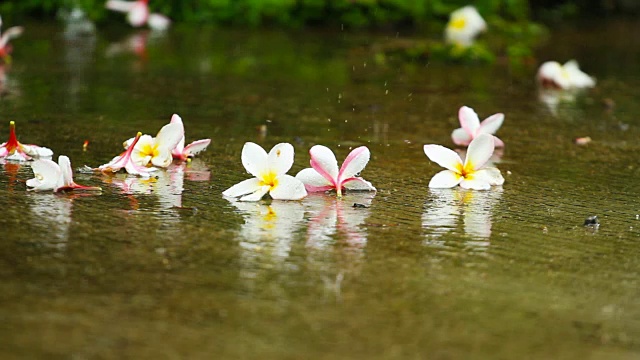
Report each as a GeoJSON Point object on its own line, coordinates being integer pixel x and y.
{"type": "Point", "coordinates": [168, 268]}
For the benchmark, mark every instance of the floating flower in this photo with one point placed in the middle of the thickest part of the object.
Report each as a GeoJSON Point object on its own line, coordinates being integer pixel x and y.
{"type": "Point", "coordinates": [56, 177]}
{"type": "Point", "coordinates": [5, 47]}
{"type": "Point", "coordinates": [14, 150]}
{"type": "Point", "coordinates": [270, 174]}
{"type": "Point", "coordinates": [138, 13]}
{"type": "Point", "coordinates": [157, 150]}
{"type": "Point", "coordinates": [472, 174]}
{"type": "Point", "coordinates": [324, 174]}
{"type": "Point", "coordinates": [125, 161]}
{"type": "Point", "coordinates": [464, 25]}
{"type": "Point", "coordinates": [471, 127]}
{"type": "Point", "coordinates": [567, 76]}
{"type": "Point", "coordinates": [182, 152]}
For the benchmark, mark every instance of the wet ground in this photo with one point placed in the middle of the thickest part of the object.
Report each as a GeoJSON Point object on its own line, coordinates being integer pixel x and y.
{"type": "Point", "coordinates": [168, 268]}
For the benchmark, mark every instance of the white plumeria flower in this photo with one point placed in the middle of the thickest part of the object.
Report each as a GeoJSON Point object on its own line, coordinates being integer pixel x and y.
{"type": "Point", "coordinates": [182, 152]}
{"type": "Point", "coordinates": [124, 161]}
{"type": "Point", "coordinates": [56, 177]}
{"type": "Point", "coordinates": [138, 14]}
{"type": "Point", "coordinates": [471, 127]}
{"type": "Point", "coordinates": [464, 25]}
{"type": "Point", "coordinates": [157, 150]}
{"type": "Point", "coordinates": [324, 174]}
{"type": "Point", "coordinates": [567, 76]}
{"type": "Point", "coordinates": [10, 33]}
{"type": "Point", "coordinates": [270, 174]}
{"type": "Point", "coordinates": [15, 150]}
{"type": "Point", "coordinates": [472, 174]}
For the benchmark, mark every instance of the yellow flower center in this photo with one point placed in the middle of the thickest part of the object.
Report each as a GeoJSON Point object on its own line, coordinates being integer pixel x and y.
{"type": "Point", "coordinates": [466, 171]}
{"type": "Point", "coordinates": [150, 149]}
{"type": "Point", "coordinates": [458, 23]}
{"type": "Point", "coordinates": [269, 179]}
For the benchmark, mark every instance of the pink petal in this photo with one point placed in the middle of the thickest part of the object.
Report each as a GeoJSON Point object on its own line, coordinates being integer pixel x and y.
{"type": "Point", "coordinates": [196, 147]}
{"type": "Point", "coordinates": [461, 137]}
{"type": "Point", "coordinates": [498, 143]}
{"type": "Point", "coordinates": [491, 124]}
{"type": "Point", "coordinates": [354, 163]}
{"type": "Point", "coordinates": [358, 184]}
{"type": "Point", "coordinates": [119, 5]}
{"type": "Point", "coordinates": [324, 162]}
{"type": "Point", "coordinates": [313, 181]}
{"type": "Point", "coordinates": [138, 14]}
{"type": "Point", "coordinates": [469, 120]}
{"type": "Point", "coordinates": [444, 157]}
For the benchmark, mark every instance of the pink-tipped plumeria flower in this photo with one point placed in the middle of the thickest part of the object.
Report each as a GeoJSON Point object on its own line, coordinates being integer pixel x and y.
{"type": "Point", "coordinates": [5, 47]}
{"type": "Point", "coordinates": [157, 150]}
{"type": "Point", "coordinates": [471, 127]}
{"type": "Point", "coordinates": [138, 14]}
{"type": "Point", "coordinates": [125, 161]}
{"type": "Point", "coordinates": [184, 153]}
{"type": "Point", "coordinates": [270, 171]}
{"type": "Point", "coordinates": [57, 177]}
{"type": "Point", "coordinates": [568, 76]}
{"type": "Point", "coordinates": [324, 173]}
{"type": "Point", "coordinates": [472, 174]}
{"type": "Point", "coordinates": [14, 150]}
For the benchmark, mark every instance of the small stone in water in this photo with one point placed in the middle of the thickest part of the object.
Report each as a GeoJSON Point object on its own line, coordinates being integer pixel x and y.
{"type": "Point", "coordinates": [359, 206]}
{"type": "Point", "coordinates": [592, 221]}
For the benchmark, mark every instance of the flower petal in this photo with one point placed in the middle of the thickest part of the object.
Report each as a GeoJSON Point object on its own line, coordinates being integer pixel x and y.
{"type": "Point", "coordinates": [140, 154]}
{"type": "Point", "coordinates": [461, 137]}
{"type": "Point", "coordinates": [196, 147]}
{"type": "Point", "coordinates": [280, 158]}
{"type": "Point", "coordinates": [65, 169]}
{"type": "Point", "coordinates": [324, 162]}
{"type": "Point", "coordinates": [577, 77]}
{"type": "Point", "coordinates": [491, 175]}
{"type": "Point", "coordinates": [288, 188]}
{"type": "Point", "coordinates": [474, 183]}
{"type": "Point", "coordinates": [47, 173]}
{"type": "Point", "coordinates": [256, 195]}
{"type": "Point", "coordinates": [491, 124]}
{"type": "Point", "coordinates": [119, 5]}
{"type": "Point", "coordinates": [138, 14]}
{"type": "Point", "coordinates": [242, 188]}
{"type": "Point", "coordinates": [445, 179]}
{"type": "Point", "coordinates": [313, 181]}
{"type": "Point", "coordinates": [479, 152]}
{"type": "Point", "coordinates": [169, 135]}
{"type": "Point", "coordinates": [158, 22]}
{"type": "Point", "coordinates": [177, 151]}
{"type": "Point", "coordinates": [354, 163]}
{"type": "Point", "coordinates": [163, 158]}
{"type": "Point", "coordinates": [497, 142]}
{"type": "Point", "coordinates": [254, 159]}
{"type": "Point", "coordinates": [469, 120]}
{"type": "Point", "coordinates": [444, 157]}
{"type": "Point", "coordinates": [358, 184]}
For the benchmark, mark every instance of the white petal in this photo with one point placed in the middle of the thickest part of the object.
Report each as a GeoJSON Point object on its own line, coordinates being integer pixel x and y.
{"type": "Point", "coordinates": [469, 120]}
{"type": "Point", "coordinates": [140, 154]}
{"type": "Point", "coordinates": [324, 162]}
{"type": "Point", "coordinates": [118, 5]}
{"type": "Point", "coordinates": [242, 188]}
{"type": "Point", "coordinates": [197, 147]}
{"type": "Point", "coordinates": [444, 157]}
{"type": "Point", "coordinates": [158, 22]}
{"type": "Point", "coordinates": [479, 152]}
{"type": "Point", "coordinates": [65, 169]}
{"type": "Point", "coordinates": [461, 137]}
{"type": "Point", "coordinates": [313, 181]}
{"type": "Point", "coordinates": [10, 33]}
{"type": "Point", "coordinates": [280, 158]}
{"type": "Point", "coordinates": [577, 77]}
{"type": "Point", "coordinates": [169, 135]}
{"type": "Point", "coordinates": [354, 163]}
{"type": "Point", "coordinates": [359, 184]}
{"type": "Point", "coordinates": [47, 173]}
{"type": "Point", "coordinates": [491, 124]}
{"type": "Point", "coordinates": [254, 159]}
{"type": "Point", "coordinates": [475, 184]}
{"type": "Point", "coordinates": [491, 175]}
{"type": "Point", "coordinates": [288, 188]}
{"type": "Point", "coordinates": [138, 14]}
{"type": "Point", "coordinates": [163, 159]}
{"type": "Point", "coordinates": [445, 179]}
{"type": "Point", "coordinates": [256, 195]}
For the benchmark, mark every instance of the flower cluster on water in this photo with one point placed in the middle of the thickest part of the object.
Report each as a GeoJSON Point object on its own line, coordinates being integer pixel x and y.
{"type": "Point", "coordinates": [138, 14]}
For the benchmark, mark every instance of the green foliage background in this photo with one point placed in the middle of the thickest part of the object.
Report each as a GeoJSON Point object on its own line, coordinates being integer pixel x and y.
{"type": "Point", "coordinates": [294, 13]}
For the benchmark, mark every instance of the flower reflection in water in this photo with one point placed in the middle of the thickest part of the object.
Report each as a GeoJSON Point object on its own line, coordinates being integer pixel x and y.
{"type": "Point", "coordinates": [556, 99]}
{"type": "Point", "coordinates": [446, 208]}
{"type": "Point", "coordinates": [52, 214]}
{"type": "Point", "coordinates": [331, 217]}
